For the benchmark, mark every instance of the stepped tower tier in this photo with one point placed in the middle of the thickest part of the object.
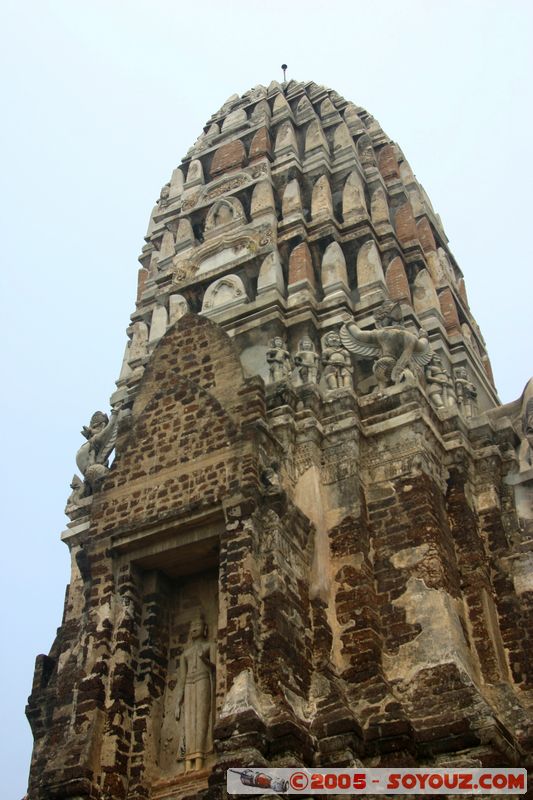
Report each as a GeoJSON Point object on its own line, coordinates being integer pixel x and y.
{"type": "Point", "coordinates": [301, 534]}
{"type": "Point", "coordinates": [293, 208]}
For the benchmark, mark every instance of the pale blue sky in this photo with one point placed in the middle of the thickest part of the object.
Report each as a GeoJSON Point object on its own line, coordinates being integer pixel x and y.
{"type": "Point", "coordinates": [102, 99]}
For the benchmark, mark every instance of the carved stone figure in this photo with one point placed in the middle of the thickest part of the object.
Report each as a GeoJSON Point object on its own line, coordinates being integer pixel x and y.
{"type": "Point", "coordinates": [394, 348]}
{"type": "Point", "coordinates": [306, 361]}
{"type": "Point", "coordinates": [93, 457]}
{"type": "Point", "coordinates": [127, 608]}
{"type": "Point", "coordinates": [194, 704]}
{"type": "Point", "coordinates": [164, 196]}
{"type": "Point", "coordinates": [337, 362]}
{"type": "Point", "coordinates": [270, 478]}
{"type": "Point", "coordinates": [77, 494]}
{"type": "Point", "coordinates": [389, 314]}
{"type": "Point", "coordinates": [466, 392]}
{"type": "Point", "coordinates": [527, 424]}
{"type": "Point", "coordinates": [439, 384]}
{"type": "Point", "coordinates": [279, 360]}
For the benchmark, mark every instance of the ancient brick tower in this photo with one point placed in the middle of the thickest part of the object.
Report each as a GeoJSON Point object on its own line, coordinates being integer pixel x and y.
{"type": "Point", "coordinates": [312, 545]}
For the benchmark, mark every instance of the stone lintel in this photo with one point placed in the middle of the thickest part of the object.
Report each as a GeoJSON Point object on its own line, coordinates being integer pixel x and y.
{"type": "Point", "coordinates": [174, 548]}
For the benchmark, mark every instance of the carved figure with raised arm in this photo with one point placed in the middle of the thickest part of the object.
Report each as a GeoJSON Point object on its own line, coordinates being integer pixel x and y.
{"type": "Point", "coordinates": [194, 704]}
{"type": "Point", "coordinates": [337, 362]}
{"type": "Point", "coordinates": [93, 457]}
{"type": "Point", "coordinates": [306, 361]}
{"type": "Point", "coordinates": [393, 348]}
{"type": "Point", "coordinates": [279, 360]}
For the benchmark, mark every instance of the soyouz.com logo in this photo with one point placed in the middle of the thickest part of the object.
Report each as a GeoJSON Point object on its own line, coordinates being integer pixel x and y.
{"type": "Point", "coordinates": [250, 780]}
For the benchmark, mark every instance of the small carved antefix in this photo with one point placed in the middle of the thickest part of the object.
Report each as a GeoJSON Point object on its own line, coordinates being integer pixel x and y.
{"type": "Point", "coordinates": [466, 392]}
{"type": "Point", "coordinates": [306, 361]}
{"type": "Point", "coordinates": [164, 196]}
{"type": "Point", "coordinates": [195, 693]}
{"type": "Point", "coordinates": [337, 362]}
{"type": "Point", "coordinates": [279, 360]}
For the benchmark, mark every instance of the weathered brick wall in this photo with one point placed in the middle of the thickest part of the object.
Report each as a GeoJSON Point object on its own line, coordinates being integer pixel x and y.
{"type": "Point", "coordinates": [514, 611]}
{"type": "Point", "coordinates": [355, 598]}
{"type": "Point", "coordinates": [475, 579]}
{"type": "Point", "coordinates": [185, 447]}
{"type": "Point", "coordinates": [74, 701]}
{"type": "Point", "coordinates": [398, 655]}
{"type": "Point", "coordinates": [190, 444]}
{"type": "Point", "coordinates": [119, 729]}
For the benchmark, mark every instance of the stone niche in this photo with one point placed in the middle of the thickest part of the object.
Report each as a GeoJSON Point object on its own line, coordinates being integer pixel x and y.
{"type": "Point", "coordinates": [224, 293]}
{"type": "Point", "coordinates": [167, 547]}
{"type": "Point", "coordinates": [184, 741]}
{"type": "Point", "coordinates": [175, 689]}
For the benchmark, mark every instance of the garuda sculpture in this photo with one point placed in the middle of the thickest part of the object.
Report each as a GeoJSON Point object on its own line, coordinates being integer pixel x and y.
{"type": "Point", "coordinates": [394, 348]}
{"type": "Point", "coordinates": [93, 457]}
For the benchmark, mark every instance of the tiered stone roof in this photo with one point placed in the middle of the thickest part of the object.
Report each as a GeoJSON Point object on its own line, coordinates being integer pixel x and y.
{"type": "Point", "coordinates": [292, 207]}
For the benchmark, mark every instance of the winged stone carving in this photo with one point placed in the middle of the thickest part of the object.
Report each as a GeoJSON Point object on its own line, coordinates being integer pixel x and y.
{"type": "Point", "coordinates": [92, 458]}
{"type": "Point", "coordinates": [394, 349]}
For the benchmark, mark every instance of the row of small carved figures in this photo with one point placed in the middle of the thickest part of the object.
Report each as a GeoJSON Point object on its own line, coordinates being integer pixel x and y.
{"type": "Point", "coordinates": [394, 350]}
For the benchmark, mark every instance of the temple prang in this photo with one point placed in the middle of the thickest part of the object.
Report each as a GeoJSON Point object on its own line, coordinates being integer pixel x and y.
{"type": "Point", "coordinates": [301, 534]}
